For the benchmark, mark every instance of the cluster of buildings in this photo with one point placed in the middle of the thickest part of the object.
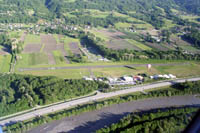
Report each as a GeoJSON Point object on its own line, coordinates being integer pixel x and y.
{"type": "Point", "coordinates": [125, 80]}
{"type": "Point", "coordinates": [165, 76]}
{"type": "Point", "coordinates": [128, 80]}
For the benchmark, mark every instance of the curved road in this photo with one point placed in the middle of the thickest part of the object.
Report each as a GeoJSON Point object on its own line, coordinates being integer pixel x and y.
{"type": "Point", "coordinates": [91, 121]}
{"type": "Point", "coordinates": [65, 105]}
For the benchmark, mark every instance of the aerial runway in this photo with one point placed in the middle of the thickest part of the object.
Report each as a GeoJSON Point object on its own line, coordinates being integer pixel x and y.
{"type": "Point", "coordinates": [97, 66]}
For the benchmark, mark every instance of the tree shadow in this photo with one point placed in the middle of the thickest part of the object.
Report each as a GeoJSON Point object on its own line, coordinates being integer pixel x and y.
{"type": "Point", "coordinates": [6, 49]}
{"type": "Point", "coordinates": [84, 42]}
{"type": "Point", "coordinates": [106, 119]}
{"type": "Point", "coordinates": [130, 67]}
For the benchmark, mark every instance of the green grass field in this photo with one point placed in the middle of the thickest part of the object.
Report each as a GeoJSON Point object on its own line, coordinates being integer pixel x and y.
{"type": "Point", "coordinates": [68, 40]}
{"type": "Point", "coordinates": [15, 34]}
{"type": "Point", "coordinates": [192, 69]}
{"type": "Point", "coordinates": [32, 39]}
{"type": "Point", "coordinates": [191, 18]}
{"type": "Point", "coordinates": [66, 74]}
{"type": "Point", "coordinates": [5, 63]}
{"type": "Point", "coordinates": [58, 57]}
{"type": "Point", "coordinates": [168, 24]}
{"type": "Point", "coordinates": [68, 14]}
{"type": "Point", "coordinates": [122, 25]}
{"type": "Point", "coordinates": [121, 71]}
{"type": "Point", "coordinates": [139, 45]}
{"type": "Point", "coordinates": [189, 48]}
{"type": "Point", "coordinates": [97, 13]}
{"type": "Point", "coordinates": [109, 63]}
{"type": "Point", "coordinates": [56, 38]}
{"type": "Point", "coordinates": [99, 34]}
{"type": "Point", "coordinates": [28, 60]}
{"type": "Point", "coordinates": [146, 25]}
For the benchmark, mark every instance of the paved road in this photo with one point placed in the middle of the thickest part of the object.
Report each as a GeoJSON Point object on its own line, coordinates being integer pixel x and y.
{"type": "Point", "coordinates": [98, 66]}
{"type": "Point", "coordinates": [88, 99]}
{"type": "Point", "coordinates": [91, 121]}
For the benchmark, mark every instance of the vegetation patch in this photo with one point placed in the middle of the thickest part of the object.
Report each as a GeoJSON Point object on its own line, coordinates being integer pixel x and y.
{"type": "Point", "coordinates": [58, 57]}
{"type": "Point", "coordinates": [139, 44]}
{"type": "Point", "coordinates": [31, 38]}
{"type": "Point", "coordinates": [27, 60]}
{"type": "Point", "coordinates": [27, 91]}
{"type": "Point", "coordinates": [62, 73]}
{"type": "Point", "coordinates": [5, 61]}
{"type": "Point", "coordinates": [178, 89]}
{"type": "Point", "coordinates": [157, 120]}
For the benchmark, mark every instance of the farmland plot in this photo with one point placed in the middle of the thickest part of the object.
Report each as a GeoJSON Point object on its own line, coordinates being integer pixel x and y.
{"type": "Point", "coordinates": [157, 46]}
{"type": "Point", "coordinates": [50, 46]}
{"type": "Point", "coordinates": [74, 48]}
{"type": "Point", "coordinates": [32, 48]}
{"type": "Point", "coordinates": [118, 44]}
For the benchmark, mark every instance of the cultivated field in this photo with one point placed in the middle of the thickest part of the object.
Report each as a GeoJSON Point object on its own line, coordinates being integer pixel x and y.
{"type": "Point", "coordinates": [31, 59]}
{"type": "Point", "coordinates": [117, 44]}
{"type": "Point", "coordinates": [157, 46]}
{"type": "Point", "coordinates": [50, 46]}
{"type": "Point", "coordinates": [74, 48]}
{"type": "Point", "coordinates": [184, 45]}
{"type": "Point", "coordinates": [32, 48]}
{"type": "Point", "coordinates": [32, 39]}
{"type": "Point", "coordinates": [139, 44]}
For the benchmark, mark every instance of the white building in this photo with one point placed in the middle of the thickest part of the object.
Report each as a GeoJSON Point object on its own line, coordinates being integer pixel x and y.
{"type": "Point", "coordinates": [128, 79]}
{"type": "Point", "coordinates": [87, 78]}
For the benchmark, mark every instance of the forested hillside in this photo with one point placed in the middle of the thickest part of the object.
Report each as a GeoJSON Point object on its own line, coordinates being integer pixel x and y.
{"type": "Point", "coordinates": [192, 6]}
{"type": "Point", "coordinates": [33, 10]}
{"type": "Point", "coordinates": [20, 92]}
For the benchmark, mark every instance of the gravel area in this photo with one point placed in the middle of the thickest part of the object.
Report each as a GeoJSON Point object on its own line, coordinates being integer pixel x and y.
{"type": "Point", "coordinates": [91, 121]}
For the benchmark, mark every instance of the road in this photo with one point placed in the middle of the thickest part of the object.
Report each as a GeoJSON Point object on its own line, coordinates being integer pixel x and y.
{"type": "Point", "coordinates": [98, 66]}
{"type": "Point", "coordinates": [66, 105]}
{"type": "Point", "coordinates": [89, 122]}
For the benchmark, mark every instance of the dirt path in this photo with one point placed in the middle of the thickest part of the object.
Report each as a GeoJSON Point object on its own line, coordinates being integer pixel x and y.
{"type": "Point", "coordinates": [91, 121]}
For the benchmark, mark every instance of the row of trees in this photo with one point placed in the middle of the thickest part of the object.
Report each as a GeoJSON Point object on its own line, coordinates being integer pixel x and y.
{"type": "Point", "coordinates": [158, 121]}
{"type": "Point", "coordinates": [179, 89]}
{"type": "Point", "coordinates": [9, 45]}
{"type": "Point", "coordinates": [18, 92]}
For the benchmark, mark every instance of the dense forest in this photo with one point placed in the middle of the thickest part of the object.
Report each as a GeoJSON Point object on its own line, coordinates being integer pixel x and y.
{"type": "Point", "coordinates": [158, 121]}
{"type": "Point", "coordinates": [20, 92]}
